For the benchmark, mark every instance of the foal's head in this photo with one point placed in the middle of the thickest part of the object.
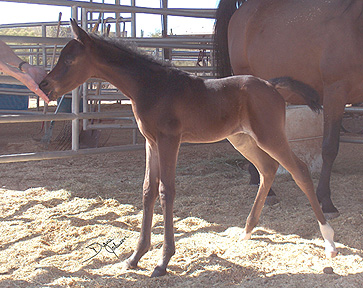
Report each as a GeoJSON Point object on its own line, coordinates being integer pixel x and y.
{"type": "Point", "coordinates": [73, 68]}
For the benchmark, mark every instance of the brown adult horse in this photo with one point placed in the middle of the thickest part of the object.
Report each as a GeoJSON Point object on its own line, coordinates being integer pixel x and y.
{"type": "Point", "coordinates": [318, 42]}
{"type": "Point", "coordinates": [171, 107]}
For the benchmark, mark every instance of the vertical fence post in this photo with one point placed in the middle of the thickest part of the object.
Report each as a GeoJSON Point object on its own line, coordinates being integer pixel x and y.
{"type": "Point", "coordinates": [75, 12]}
{"type": "Point", "coordinates": [84, 22]}
{"type": "Point", "coordinates": [75, 122]}
{"type": "Point", "coordinates": [75, 102]}
{"type": "Point", "coordinates": [133, 20]}
{"type": "Point", "coordinates": [44, 55]}
{"type": "Point", "coordinates": [85, 103]}
{"type": "Point", "coordinates": [164, 31]}
{"type": "Point", "coordinates": [118, 16]}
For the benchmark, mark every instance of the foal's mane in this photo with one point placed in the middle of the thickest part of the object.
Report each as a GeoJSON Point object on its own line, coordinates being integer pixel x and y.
{"type": "Point", "coordinates": [132, 51]}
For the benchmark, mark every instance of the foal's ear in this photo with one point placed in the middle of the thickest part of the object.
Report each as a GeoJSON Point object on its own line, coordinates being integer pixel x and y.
{"type": "Point", "coordinates": [79, 34]}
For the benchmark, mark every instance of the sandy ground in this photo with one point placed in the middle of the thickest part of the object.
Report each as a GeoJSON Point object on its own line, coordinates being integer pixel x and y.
{"type": "Point", "coordinates": [57, 214]}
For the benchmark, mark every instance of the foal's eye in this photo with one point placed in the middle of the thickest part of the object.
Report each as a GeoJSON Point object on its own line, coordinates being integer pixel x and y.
{"type": "Point", "coordinates": [68, 61]}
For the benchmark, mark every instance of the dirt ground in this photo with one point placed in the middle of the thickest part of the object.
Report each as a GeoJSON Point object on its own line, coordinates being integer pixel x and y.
{"type": "Point", "coordinates": [56, 214]}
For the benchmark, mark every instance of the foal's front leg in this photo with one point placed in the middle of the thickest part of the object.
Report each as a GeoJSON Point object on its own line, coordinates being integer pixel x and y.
{"type": "Point", "coordinates": [150, 193]}
{"type": "Point", "coordinates": [168, 147]}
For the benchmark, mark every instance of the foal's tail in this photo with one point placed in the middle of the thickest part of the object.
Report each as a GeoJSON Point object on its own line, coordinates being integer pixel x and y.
{"type": "Point", "coordinates": [310, 95]}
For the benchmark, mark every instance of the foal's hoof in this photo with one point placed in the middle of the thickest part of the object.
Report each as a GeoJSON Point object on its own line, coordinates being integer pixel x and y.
{"type": "Point", "coordinates": [271, 200]}
{"type": "Point", "coordinates": [331, 254]}
{"type": "Point", "coordinates": [331, 215]}
{"type": "Point", "coordinates": [246, 236]}
{"type": "Point", "coordinates": [129, 264]}
{"type": "Point", "coordinates": [158, 271]}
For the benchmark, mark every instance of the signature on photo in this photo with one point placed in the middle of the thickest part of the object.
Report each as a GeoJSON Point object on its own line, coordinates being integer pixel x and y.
{"type": "Point", "coordinates": [110, 245]}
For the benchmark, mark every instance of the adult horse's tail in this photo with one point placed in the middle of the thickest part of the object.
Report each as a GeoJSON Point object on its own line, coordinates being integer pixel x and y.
{"type": "Point", "coordinates": [225, 10]}
{"type": "Point", "coordinates": [309, 94]}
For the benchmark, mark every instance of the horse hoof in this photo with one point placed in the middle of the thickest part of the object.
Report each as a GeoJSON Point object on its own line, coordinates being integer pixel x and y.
{"type": "Point", "coordinates": [246, 236]}
{"type": "Point", "coordinates": [331, 254]}
{"type": "Point", "coordinates": [129, 265]}
{"type": "Point", "coordinates": [331, 215]}
{"type": "Point", "coordinates": [271, 200]}
{"type": "Point", "coordinates": [158, 271]}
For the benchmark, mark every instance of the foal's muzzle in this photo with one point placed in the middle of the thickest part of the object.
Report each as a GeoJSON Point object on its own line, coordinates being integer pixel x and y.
{"type": "Point", "coordinates": [47, 89]}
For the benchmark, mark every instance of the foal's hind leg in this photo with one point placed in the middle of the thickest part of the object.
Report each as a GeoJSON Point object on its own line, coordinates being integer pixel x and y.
{"type": "Point", "coordinates": [255, 180]}
{"type": "Point", "coordinates": [281, 151]}
{"type": "Point", "coordinates": [267, 168]}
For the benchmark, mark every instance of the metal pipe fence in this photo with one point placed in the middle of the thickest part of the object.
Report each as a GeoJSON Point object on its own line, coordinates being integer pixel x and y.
{"type": "Point", "coordinates": [170, 42]}
{"type": "Point", "coordinates": [40, 49]}
{"type": "Point", "coordinates": [36, 156]}
{"type": "Point", "coordinates": [356, 139]}
{"type": "Point", "coordinates": [91, 6]}
{"type": "Point", "coordinates": [182, 49]}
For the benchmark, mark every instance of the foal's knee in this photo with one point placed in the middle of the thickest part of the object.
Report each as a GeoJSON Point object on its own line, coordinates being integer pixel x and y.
{"type": "Point", "coordinates": [166, 193]}
{"type": "Point", "coordinates": [149, 194]}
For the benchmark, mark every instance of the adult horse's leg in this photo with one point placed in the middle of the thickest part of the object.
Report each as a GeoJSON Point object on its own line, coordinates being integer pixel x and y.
{"type": "Point", "coordinates": [168, 147]}
{"type": "Point", "coordinates": [150, 193]}
{"type": "Point", "coordinates": [255, 180]}
{"type": "Point", "coordinates": [267, 168]}
{"type": "Point", "coordinates": [334, 104]}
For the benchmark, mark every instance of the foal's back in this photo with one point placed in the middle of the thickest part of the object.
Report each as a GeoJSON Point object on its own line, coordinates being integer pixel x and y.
{"type": "Point", "coordinates": [219, 108]}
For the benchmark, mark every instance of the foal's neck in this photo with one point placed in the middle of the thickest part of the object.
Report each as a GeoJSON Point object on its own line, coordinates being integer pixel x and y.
{"type": "Point", "coordinates": [129, 71]}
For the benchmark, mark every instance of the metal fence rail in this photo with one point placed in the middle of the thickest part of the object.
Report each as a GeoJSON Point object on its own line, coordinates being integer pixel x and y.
{"type": "Point", "coordinates": [180, 48]}
{"type": "Point", "coordinates": [39, 48]}
{"type": "Point", "coordinates": [36, 156]}
{"type": "Point", "coordinates": [91, 6]}
{"type": "Point", "coordinates": [357, 139]}
{"type": "Point", "coordinates": [170, 42]}
{"type": "Point", "coordinates": [40, 117]}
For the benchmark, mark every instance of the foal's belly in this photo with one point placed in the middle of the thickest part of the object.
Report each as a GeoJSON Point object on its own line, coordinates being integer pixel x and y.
{"type": "Point", "coordinates": [210, 134]}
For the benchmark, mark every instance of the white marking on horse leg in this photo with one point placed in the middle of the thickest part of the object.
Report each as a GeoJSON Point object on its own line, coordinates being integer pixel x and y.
{"type": "Point", "coordinates": [328, 235]}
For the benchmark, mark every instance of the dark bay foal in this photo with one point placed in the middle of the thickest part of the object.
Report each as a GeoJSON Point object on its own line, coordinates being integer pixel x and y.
{"type": "Point", "coordinates": [172, 107]}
